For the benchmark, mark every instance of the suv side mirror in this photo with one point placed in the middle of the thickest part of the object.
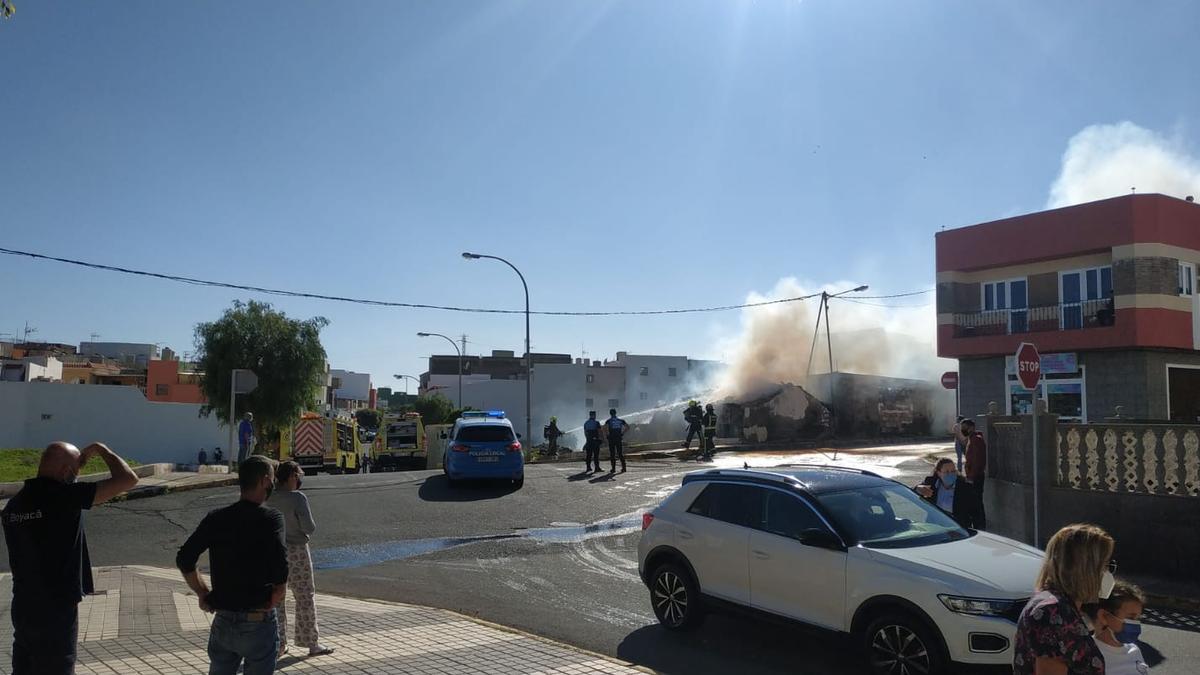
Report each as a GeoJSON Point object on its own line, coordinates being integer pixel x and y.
{"type": "Point", "coordinates": [820, 538]}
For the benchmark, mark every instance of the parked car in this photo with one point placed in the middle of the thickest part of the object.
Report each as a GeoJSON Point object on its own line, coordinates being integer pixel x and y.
{"type": "Point", "coordinates": [838, 549]}
{"type": "Point", "coordinates": [482, 444]}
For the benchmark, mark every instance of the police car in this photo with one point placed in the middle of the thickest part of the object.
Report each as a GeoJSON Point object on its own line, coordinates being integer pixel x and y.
{"type": "Point", "coordinates": [482, 444]}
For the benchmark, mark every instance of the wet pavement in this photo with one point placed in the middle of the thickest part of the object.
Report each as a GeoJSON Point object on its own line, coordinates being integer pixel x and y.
{"type": "Point", "coordinates": [556, 558]}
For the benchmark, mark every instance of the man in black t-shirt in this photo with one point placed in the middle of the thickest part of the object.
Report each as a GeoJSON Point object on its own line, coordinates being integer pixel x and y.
{"type": "Point", "coordinates": [47, 551]}
{"type": "Point", "coordinates": [248, 560]}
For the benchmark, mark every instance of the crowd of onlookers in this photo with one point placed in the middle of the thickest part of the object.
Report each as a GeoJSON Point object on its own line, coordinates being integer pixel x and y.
{"type": "Point", "coordinates": [1081, 620]}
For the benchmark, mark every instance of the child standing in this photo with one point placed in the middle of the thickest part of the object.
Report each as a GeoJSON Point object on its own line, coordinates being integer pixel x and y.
{"type": "Point", "coordinates": [1117, 630]}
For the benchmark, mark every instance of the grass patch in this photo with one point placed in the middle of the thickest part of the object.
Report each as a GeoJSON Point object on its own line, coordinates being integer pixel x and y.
{"type": "Point", "coordinates": [21, 463]}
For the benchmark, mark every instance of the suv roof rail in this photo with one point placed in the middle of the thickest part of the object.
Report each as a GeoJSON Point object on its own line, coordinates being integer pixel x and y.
{"type": "Point", "coordinates": [752, 474]}
{"type": "Point", "coordinates": [809, 465]}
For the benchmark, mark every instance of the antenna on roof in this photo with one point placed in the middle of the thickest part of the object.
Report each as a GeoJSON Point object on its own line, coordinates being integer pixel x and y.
{"type": "Point", "coordinates": [1189, 199]}
{"type": "Point", "coordinates": [1133, 190]}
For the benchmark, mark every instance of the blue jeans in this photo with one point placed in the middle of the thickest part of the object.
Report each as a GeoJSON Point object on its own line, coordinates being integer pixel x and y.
{"type": "Point", "coordinates": [233, 639]}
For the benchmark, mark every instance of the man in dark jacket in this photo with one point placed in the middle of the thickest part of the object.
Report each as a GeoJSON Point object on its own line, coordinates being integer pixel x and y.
{"type": "Point", "coordinates": [974, 475]}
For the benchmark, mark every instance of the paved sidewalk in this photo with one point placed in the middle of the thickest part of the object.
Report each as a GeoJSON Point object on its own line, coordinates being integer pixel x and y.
{"type": "Point", "coordinates": [144, 620]}
{"type": "Point", "coordinates": [177, 481]}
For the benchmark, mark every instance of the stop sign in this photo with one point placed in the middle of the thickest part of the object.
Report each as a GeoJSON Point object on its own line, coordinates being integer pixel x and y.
{"type": "Point", "coordinates": [1029, 365]}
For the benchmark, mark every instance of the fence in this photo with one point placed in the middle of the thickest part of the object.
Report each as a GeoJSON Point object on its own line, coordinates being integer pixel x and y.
{"type": "Point", "coordinates": [1132, 458]}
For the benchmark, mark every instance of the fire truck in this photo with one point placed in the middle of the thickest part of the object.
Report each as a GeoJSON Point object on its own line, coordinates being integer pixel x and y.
{"type": "Point", "coordinates": [400, 443]}
{"type": "Point", "coordinates": [319, 443]}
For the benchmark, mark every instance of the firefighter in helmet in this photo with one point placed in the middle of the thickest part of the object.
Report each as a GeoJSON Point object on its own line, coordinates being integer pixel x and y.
{"type": "Point", "coordinates": [692, 414]}
{"type": "Point", "coordinates": [709, 441]}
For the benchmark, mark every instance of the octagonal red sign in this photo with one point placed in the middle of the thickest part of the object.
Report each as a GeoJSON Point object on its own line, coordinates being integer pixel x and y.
{"type": "Point", "coordinates": [1029, 365]}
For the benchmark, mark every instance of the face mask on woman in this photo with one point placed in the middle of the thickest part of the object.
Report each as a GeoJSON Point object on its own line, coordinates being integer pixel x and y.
{"type": "Point", "coordinates": [949, 479]}
{"type": "Point", "coordinates": [1107, 582]}
{"type": "Point", "coordinates": [1130, 631]}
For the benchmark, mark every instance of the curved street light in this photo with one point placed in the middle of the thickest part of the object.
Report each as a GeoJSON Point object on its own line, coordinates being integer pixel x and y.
{"type": "Point", "coordinates": [457, 351]}
{"type": "Point", "coordinates": [528, 355]}
{"type": "Point", "coordinates": [829, 343]}
{"type": "Point", "coordinates": [401, 377]}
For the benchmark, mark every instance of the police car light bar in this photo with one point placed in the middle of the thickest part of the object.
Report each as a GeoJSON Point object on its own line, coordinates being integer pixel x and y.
{"type": "Point", "coordinates": [498, 414]}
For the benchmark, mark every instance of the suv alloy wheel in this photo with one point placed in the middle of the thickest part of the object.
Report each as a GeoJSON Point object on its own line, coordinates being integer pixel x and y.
{"type": "Point", "coordinates": [675, 598]}
{"type": "Point", "coordinates": [898, 643]}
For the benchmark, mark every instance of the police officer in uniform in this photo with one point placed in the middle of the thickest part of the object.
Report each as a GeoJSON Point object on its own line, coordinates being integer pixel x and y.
{"type": "Point", "coordinates": [615, 428]}
{"type": "Point", "coordinates": [709, 420]}
{"type": "Point", "coordinates": [591, 445]}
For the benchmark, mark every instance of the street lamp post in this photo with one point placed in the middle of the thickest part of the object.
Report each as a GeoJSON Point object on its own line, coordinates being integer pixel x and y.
{"type": "Point", "coordinates": [457, 351]}
{"type": "Point", "coordinates": [825, 296]}
{"type": "Point", "coordinates": [528, 355]}
{"type": "Point", "coordinates": [402, 377]}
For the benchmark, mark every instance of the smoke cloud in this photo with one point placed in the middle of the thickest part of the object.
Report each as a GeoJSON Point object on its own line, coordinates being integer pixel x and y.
{"type": "Point", "coordinates": [774, 343]}
{"type": "Point", "coordinates": [1106, 160]}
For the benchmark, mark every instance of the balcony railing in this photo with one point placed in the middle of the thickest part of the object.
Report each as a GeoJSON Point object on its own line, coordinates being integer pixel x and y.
{"type": "Point", "coordinates": [1066, 316]}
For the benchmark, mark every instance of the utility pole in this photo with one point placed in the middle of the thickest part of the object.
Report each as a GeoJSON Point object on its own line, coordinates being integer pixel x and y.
{"type": "Point", "coordinates": [463, 337]}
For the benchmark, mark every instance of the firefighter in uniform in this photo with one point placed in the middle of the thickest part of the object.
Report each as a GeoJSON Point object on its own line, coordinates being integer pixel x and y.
{"type": "Point", "coordinates": [709, 441]}
{"type": "Point", "coordinates": [552, 433]}
{"type": "Point", "coordinates": [692, 415]}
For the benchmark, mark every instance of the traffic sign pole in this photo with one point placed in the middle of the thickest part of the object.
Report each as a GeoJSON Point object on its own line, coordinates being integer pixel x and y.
{"type": "Point", "coordinates": [1029, 371]}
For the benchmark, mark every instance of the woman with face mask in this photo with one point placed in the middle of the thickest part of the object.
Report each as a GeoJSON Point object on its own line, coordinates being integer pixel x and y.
{"type": "Point", "coordinates": [298, 520]}
{"type": "Point", "coordinates": [938, 487]}
{"type": "Point", "coordinates": [1117, 629]}
{"type": "Point", "coordinates": [1052, 636]}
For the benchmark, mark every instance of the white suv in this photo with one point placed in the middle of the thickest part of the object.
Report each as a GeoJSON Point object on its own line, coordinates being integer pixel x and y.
{"type": "Point", "coordinates": [843, 550]}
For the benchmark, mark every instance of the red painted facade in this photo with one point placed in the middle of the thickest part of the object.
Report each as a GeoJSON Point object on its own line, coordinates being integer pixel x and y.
{"type": "Point", "coordinates": [1086, 229]}
{"type": "Point", "coordinates": [1095, 227]}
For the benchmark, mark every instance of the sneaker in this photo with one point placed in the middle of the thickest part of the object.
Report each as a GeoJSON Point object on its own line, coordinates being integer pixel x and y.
{"type": "Point", "coordinates": [319, 650]}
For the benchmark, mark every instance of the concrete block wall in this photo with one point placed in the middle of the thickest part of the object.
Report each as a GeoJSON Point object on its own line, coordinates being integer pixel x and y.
{"type": "Point", "coordinates": [34, 414]}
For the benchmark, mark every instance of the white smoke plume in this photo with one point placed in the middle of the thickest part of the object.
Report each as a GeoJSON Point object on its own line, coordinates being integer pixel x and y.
{"type": "Point", "coordinates": [774, 343]}
{"type": "Point", "coordinates": [1107, 160]}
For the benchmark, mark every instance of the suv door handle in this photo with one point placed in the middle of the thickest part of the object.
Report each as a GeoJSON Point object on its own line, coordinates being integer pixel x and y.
{"type": "Point", "coordinates": [685, 534]}
{"type": "Point", "coordinates": [761, 555]}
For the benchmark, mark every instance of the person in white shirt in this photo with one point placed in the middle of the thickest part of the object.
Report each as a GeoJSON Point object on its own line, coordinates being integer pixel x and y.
{"type": "Point", "coordinates": [1117, 629]}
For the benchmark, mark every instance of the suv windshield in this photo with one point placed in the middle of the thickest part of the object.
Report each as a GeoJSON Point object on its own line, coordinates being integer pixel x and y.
{"type": "Point", "coordinates": [890, 516]}
{"type": "Point", "coordinates": [485, 433]}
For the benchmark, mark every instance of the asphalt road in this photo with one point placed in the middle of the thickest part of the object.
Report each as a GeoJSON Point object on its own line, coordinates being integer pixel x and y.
{"type": "Point", "coordinates": [556, 558]}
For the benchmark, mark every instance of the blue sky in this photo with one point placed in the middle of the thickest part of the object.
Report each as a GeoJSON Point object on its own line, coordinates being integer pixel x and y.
{"type": "Point", "coordinates": [628, 154]}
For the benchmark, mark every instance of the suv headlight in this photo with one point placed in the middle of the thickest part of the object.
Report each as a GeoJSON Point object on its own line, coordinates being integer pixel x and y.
{"type": "Point", "coordinates": [1004, 609]}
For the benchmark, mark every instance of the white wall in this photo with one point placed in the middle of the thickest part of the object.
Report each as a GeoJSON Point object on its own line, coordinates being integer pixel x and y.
{"type": "Point", "coordinates": [355, 386]}
{"type": "Point", "coordinates": [34, 414]}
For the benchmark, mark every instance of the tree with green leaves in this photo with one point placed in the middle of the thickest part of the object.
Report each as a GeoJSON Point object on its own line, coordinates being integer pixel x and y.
{"type": "Point", "coordinates": [437, 409]}
{"type": "Point", "coordinates": [7, 9]}
{"type": "Point", "coordinates": [369, 418]}
{"type": "Point", "coordinates": [286, 354]}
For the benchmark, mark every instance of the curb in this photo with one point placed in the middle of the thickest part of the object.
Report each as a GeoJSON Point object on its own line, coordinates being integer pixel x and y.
{"type": "Point", "coordinates": [159, 490]}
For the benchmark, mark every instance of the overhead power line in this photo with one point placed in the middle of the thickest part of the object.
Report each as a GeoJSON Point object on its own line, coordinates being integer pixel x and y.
{"type": "Point", "coordinates": [882, 304]}
{"type": "Point", "coordinates": [894, 295]}
{"type": "Point", "coordinates": [384, 303]}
